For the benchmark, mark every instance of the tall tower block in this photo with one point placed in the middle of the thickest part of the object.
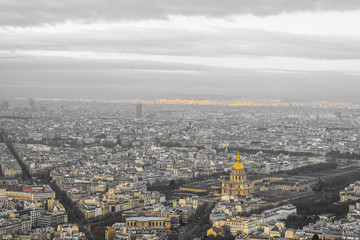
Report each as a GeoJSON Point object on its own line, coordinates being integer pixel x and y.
{"type": "Point", "coordinates": [138, 110]}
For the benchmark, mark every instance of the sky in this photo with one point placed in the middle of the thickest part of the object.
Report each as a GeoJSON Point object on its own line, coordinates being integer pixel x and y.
{"type": "Point", "coordinates": [292, 49]}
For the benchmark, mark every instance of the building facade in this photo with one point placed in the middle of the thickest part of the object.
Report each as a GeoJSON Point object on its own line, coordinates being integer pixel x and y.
{"type": "Point", "coordinates": [238, 184]}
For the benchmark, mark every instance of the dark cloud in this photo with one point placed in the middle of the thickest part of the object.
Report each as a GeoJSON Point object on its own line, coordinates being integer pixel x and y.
{"type": "Point", "coordinates": [182, 42]}
{"type": "Point", "coordinates": [61, 78]}
{"type": "Point", "coordinates": [38, 12]}
{"type": "Point", "coordinates": [29, 75]}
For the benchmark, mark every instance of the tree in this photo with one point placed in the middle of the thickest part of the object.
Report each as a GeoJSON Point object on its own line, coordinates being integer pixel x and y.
{"type": "Point", "coordinates": [315, 237]}
{"type": "Point", "coordinates": [111, 234]}
{"type": "Point", "coordinates": [186, 237]}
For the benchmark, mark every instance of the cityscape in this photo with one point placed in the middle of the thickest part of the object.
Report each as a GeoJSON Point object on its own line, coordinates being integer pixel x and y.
{"type": "Point", "coordinates": [87, 170]}
{"type": "Point", "coordinates": [191, 119]}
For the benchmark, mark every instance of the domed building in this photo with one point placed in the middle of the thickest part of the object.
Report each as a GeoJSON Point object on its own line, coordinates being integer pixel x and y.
{"type": "Point", "coordinates": [238, 185]}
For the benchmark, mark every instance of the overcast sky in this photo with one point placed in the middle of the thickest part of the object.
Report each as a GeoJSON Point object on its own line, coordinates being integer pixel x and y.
{"type": "Point", "coordinates": [137, 48]}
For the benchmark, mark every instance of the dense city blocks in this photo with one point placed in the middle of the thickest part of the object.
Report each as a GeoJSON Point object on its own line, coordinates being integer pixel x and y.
{"type": "Point", "coordinates": [80, 170]}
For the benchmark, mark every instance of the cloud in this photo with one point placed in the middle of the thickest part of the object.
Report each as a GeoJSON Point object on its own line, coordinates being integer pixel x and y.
{"type": "Point", "coordinates": [39, 12]}
{"type": "Point", "coordinates": [119, 48]}
{"type": "Point", "coordinates": [205, 37]}
{"type": "Point", "coordinates": [69, 78]}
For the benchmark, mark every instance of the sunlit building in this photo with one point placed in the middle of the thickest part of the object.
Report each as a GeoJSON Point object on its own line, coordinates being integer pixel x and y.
{"type": "Point", "coordinates": [238, 184]}
{"type": "Point", "coordinates": [239, 224]}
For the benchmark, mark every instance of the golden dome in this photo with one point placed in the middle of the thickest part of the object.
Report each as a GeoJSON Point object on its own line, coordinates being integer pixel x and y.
{"type": "Point", "coordinates": [238, 165]}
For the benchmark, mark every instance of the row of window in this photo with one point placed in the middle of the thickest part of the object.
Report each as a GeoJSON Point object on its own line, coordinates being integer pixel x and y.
{"type": "Point", "coordinates": [150, 224]}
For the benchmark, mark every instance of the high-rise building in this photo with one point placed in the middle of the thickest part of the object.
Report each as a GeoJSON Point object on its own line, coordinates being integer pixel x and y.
{"type": "Point", "coordinates": [138, 110]}
{"type": "Point", "coordinates": [32, 103]}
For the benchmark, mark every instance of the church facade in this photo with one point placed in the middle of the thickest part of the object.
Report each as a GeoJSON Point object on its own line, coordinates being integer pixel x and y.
{"type": "Point", "coordinates": [238, 184]}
